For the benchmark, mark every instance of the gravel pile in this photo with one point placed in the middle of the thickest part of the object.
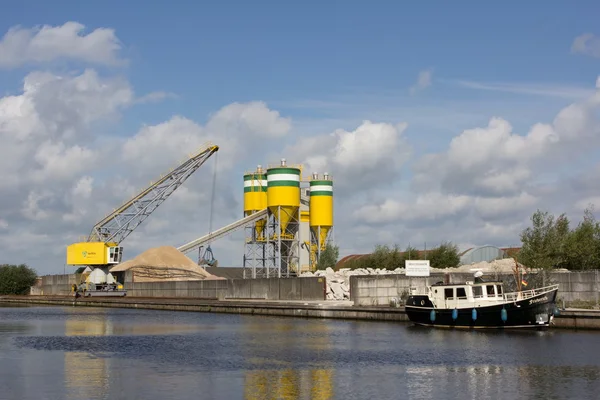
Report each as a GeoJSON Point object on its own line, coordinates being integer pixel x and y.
{"type": "Point", "coordinates": [164, 263]}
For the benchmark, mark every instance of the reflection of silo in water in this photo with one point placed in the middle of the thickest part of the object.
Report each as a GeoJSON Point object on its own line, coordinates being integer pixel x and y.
{"type": "Point", "coordinates": [86, 376]}
{"type": "Point", "coordinates": [283, 200]}
{"type": "Point", "coordinates": [287, 381]}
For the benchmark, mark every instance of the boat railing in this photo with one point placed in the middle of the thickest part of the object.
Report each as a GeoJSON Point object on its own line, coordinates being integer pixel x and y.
{"type": "Point", "coordinates": [527, 294]}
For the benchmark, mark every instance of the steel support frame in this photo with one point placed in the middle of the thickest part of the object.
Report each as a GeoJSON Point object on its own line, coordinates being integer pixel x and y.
{"type": "Point", "coordinates": [279, 255]}
{"type": "Point", "coordinates": [314, 243]}
{"type": "Point", "coordinates": [256, 259]}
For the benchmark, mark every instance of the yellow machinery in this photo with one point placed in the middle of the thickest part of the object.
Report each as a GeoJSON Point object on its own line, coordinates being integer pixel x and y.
{"type": "Point", "coordinates": [321, 215]}
{"type": "Point", "coordinates": [283, 202]}
{"type": "Point", "coordinates": [298, 223]}
{"type": "Point", "coordinates": [283, 198]}
{"type": "Point", "coordinates": [255, 198]}
{"type": "Point", "coordinates": [101, 248]}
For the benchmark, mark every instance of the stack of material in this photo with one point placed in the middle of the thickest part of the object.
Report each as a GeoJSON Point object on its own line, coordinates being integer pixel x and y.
{"type": "Point", "coordinates": [161, 264]}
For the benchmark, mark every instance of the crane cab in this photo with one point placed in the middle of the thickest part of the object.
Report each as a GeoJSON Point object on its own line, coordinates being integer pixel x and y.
{"type": "Point", "coordinates": [94, 253]}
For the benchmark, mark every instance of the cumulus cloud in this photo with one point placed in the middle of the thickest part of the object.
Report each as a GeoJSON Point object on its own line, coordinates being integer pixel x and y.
{"type": "Point", "coordinates": [372, 154]}
{"type": "Point", "coordinates": [484, 186]}
{"type": "Point", "coordinates": [237, 129]}
{"type": "Point", "coordinates": [155, 97]}
{"type": "Point", "coordinates": [587, 44]}
{"type": "Point", "coordinates": [46, 43]}
{"type": "Point", "coordinates": [60, 176]}
{"type": "Point", "coordinates": [45, 130]}
{"type": "Point", "coordinates": [423, 81]}
{"type": "Point", "coordinates": [496, 160]}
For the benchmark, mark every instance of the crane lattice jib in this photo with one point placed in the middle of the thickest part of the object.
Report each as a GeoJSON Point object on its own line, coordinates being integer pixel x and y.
{"type": "Point", "coordinates": [120, 223]}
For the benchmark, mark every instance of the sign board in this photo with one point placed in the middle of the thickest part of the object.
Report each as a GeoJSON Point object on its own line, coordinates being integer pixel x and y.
{"type": "Point", "coordinates": [417, 267]}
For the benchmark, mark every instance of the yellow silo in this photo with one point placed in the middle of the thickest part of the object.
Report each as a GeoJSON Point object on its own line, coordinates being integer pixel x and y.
{"type": "Point", "coordinates": [283, 194]}
{"type": "Point", "coordinates": [321, 209]}
{"type": "Point", "coordinates": [255, 197]}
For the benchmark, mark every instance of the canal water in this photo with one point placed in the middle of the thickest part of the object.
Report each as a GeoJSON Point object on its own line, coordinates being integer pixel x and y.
{"type": "Point", "coordinates": [99, 353]}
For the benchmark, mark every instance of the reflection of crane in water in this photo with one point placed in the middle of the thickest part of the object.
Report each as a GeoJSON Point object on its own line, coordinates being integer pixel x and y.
{"type": "Point", "coordinates": [86, 376]}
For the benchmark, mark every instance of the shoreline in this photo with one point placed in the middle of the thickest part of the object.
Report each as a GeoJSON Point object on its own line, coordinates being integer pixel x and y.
{"type": "Point", "coordinates": [579, 319]}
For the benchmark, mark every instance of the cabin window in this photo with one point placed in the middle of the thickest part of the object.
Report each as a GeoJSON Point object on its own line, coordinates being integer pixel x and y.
{"type": "Point", "coordinates": [461, 293]}
{"type": "Point", "coordinates": [490, 290]}
{"type": "Point", "coordinates": [477, 291]}
{"type": "Point", "coordinates": [449, 293]}
{"type": "Point", "coordinates": [499, 289]}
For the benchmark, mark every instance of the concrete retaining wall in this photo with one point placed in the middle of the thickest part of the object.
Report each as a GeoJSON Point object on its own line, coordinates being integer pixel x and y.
{"type": "Point", "coordinates": [311, 288]}
{"type": "Point", "coordinates": [56, 284]}
{"type": "Point", "coordinates": [378, 290]}
{"type": "Point", "coordinates": [578, 319]}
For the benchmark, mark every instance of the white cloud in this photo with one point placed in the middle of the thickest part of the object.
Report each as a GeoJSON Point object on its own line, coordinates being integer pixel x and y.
{"type": "Point", "coordinates": [254, 119]}
{"type": "Point", "coordinates": [546, 90]}
{"type": "Point", "coordinates": [61, 175]}
{"type": "Point", "coordinates": [585, 203]}
{"type": "Point", "coordinates": [155, 97]}
{"type": "Point", "coordinates": [370, 155]}
{"type": "Point", "coordinates": [46, 43]}
{"type": "Point", "coordinates": [496, 160]}
{"type": "Point", "coordinates": [423, 81]}
{"type": "Point", "coordinates": [45, 131]}
{"type": "Point", "coordinates": [484, 186]}
{"type": "Point", "coordinates": [587, 44]}
{"type": "Point", "coordinates": [238, 129]}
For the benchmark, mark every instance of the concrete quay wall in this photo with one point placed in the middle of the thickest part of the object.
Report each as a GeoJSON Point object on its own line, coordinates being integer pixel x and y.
{"type": "Point", "coordinates": [380, 290]}
{"type": "Point", "coordinates": [567, 319]}
{"type": "Point", "coordinates": [313, 288]}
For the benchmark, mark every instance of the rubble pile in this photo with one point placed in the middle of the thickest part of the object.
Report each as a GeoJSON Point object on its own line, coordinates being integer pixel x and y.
{"type": "Point", "coordinates": [338, 282]}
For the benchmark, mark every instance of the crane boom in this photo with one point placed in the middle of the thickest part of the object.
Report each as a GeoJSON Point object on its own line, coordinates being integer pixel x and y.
{"type": "Point", "coordinates": [102, 244]}
{"type": "Point", "coordinates": [120, 223]}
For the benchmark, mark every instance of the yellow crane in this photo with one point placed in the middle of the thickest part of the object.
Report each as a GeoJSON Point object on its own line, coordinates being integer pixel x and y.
{"type": "Point", "coordinates": [102, 247]}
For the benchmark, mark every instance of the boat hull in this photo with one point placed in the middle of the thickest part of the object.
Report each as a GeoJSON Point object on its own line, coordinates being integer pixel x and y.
{"type": "Point", "coordinates": [534, 312]}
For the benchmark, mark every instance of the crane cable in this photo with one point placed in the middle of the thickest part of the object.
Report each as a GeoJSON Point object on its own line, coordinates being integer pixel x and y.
{"type": "Point", "coordinates": [212, 199]}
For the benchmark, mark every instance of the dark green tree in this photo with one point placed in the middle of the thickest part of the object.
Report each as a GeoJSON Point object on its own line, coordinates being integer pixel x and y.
{"type": "Point", "coordinates": [16, 279]}
{"type": "Point", "coordinates": [328, 257]}
{"type": "Point", "coordinates": [544, 243]}
{"type": "Point", "coordinates": [411, 253]}
{"type": "Point", "coordinates": [582, 245]}
{"type": "Point", "coordinates": [444, 256]}
{"type": "Point", "coordinates": [386, 257]}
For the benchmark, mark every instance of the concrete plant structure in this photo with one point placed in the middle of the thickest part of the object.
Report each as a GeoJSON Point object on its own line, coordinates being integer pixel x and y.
{"type": "Point", "coordinates": [297, 225]}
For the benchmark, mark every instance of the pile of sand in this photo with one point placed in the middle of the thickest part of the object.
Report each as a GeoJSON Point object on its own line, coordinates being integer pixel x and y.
{"type": "Point", "coordinates": [164, 263]}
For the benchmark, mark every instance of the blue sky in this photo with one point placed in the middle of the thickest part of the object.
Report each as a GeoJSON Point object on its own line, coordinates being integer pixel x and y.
{"type": "Point", "coordinates": [328, 66]}
{"type": "Point", "coordinates": [214, 53]}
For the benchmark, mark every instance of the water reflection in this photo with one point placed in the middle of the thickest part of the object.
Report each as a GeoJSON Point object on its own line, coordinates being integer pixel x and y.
{"type": "Point", "coordinates": [79, 353]}
{"type": "Point", "coordinates": [86, 376]}
{"type": "Point", "coordinates": [287, 383]}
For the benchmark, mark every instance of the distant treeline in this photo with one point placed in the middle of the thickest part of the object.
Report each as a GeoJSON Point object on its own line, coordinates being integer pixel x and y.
{"type": "Point", "coordinates": [446, 255]}
{"type": "Point", "coordinates": [551, 243]}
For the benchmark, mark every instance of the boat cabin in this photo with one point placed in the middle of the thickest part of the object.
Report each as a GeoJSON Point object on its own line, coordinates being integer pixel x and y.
{"type": "Point", "coordinates": [469, 294]}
